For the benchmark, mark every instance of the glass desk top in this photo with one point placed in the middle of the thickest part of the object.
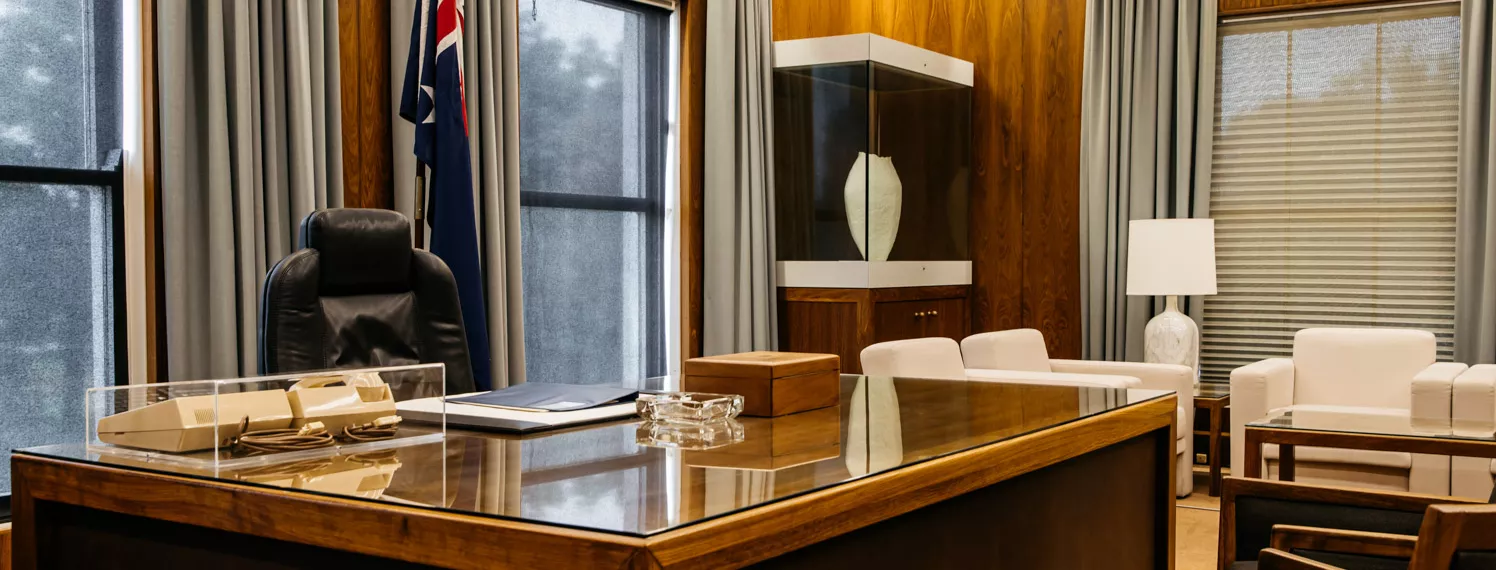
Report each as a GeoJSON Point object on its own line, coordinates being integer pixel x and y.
{"type": "Point", "coordinates": [602, 478]}
{"type": "Point", "coordinates": [1212, 390]}
{"type": "Point", "coordinates": [1371, 421]}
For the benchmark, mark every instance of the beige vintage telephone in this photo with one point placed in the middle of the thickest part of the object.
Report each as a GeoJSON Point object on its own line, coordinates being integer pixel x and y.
{"type": "Point", "coordinates": [186, 424]}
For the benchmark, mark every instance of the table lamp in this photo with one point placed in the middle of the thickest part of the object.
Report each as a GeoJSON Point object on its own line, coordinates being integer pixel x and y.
{"type": "Point", "coordinates": [1171, 258]}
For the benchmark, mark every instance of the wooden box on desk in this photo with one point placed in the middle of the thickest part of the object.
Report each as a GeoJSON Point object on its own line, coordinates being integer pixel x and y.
{"type": "Point", "coordinates": [771, 383]}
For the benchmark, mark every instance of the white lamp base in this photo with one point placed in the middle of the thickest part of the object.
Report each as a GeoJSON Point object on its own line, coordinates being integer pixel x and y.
{"type": "Point", "coordinates": [1172, 338]}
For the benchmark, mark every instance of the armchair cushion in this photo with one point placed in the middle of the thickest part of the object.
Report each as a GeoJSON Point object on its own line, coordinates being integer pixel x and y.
{"type": "Point", "coordinates": [1019, 349]}
{"type": "Point", "coordinates": [1359, 367]}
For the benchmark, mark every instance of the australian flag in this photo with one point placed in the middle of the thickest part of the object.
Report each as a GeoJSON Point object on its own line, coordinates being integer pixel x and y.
{"type": "Point", "coordinates": [434, 100]}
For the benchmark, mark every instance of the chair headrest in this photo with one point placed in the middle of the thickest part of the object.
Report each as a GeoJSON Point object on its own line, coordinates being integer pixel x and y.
{"type": "Point", "coordinates": [360, 251]}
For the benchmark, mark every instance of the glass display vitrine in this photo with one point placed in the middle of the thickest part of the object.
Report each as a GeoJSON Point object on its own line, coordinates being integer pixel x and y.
{"type": "Point", "coordinates": [872, 157]}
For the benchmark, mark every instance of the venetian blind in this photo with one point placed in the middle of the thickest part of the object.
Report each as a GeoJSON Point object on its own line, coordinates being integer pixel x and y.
{"type": "Point", "coordinates": [1333, 179]}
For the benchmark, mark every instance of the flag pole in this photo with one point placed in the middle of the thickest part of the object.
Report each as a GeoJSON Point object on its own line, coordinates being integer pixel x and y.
{"type": "Point", "coordinates": [420, 222]}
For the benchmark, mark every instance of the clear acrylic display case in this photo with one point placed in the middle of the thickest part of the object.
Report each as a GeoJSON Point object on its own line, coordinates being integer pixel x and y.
{"type": "Point", "coordinates": [200, 424]}
{"type": "Point", "coordinates": [872, 159]}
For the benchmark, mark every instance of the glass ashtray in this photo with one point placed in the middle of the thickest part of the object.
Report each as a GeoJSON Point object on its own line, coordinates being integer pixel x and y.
{"type": "Point", "coordinates": [695, 437]}
{"type": "Point", "coordinates": [688, 407]}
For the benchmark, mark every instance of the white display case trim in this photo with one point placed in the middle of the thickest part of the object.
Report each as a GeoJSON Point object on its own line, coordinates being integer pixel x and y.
{"type": "Point", "coordinates": [871, 274]}
{"type": "Point", "coordinates": [872, 47]}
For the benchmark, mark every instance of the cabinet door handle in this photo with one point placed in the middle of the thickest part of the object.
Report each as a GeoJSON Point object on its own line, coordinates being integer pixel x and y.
{"type": "Point", "coordinates": [934, 313]}
{"type": "Point", "coordinates": [919, 315]}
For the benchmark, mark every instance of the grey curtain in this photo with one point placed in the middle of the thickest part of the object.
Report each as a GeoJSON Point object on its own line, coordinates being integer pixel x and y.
{"type": "Point", "coordinates": [251, 142]}
{"type": "Point", "coordinates": [490, 47]}
{"type": "Point", "coordinates": [1146, 124]}
{"type": "Point", "coordinates": [1475, 240]}
{"type": "Point", "coordinates": [737, 221]}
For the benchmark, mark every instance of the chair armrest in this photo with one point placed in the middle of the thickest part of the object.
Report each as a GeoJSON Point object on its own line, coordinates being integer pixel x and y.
{"type": "Point", "coordinates": [1474, 402]}
{"type": "Point", "coordinates": [1432, 389]}
{"type": "Point", "coordinates": [1153, 376]}
{"type": "Point", "coordinates": [1289, 538]}
{"type": "Point", "coordinates": [1274, 559]}
{"type": "Point", "coordinates": [1051, 378]}
{"type": "Point", "coordinates": [1255, 389]}
{"type": "Point", "coordinates": [1173, 377]}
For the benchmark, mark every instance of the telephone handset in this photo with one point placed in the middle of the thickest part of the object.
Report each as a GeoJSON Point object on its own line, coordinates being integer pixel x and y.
{"type": "Point", "coordinates": [339, 401]}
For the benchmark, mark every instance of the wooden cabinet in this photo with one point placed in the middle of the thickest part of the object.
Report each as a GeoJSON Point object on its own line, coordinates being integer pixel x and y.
{"type": "Point", "coordinates": [844, 321]}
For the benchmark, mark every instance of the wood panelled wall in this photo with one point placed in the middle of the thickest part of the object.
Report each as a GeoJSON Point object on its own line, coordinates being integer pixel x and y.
{"type": "Point", "coordinates": [692, 17]}
{"type": "Point", "coordinates": [1025, 239]}
{"type": "Point", "coordinates": [364, 65]}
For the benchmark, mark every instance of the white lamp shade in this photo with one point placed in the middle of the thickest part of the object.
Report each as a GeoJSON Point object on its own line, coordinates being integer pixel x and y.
{"type": "Point", "coordinates": [1171, 257]}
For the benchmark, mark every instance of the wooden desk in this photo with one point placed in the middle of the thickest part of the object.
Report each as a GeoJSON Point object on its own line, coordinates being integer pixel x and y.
{"type": "Point", "coordinates": [983, 474]}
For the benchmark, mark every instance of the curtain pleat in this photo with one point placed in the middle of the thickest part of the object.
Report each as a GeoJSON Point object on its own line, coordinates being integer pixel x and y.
{"type": "Point", "coordinates": [250, 144]}
{"type": "Point", "coordinates": [1145, 150]}
{"type": "Point", "coordinates": [738, 297]}
{"type": "Point", "coordinates": [1475, 237]}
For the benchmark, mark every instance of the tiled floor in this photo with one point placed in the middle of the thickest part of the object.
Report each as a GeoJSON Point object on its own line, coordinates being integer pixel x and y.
{"type": "Point", "coordinates": [1196, 521]}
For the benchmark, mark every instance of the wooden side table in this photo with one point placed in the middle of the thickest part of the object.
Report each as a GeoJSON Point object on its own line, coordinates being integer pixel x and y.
{"type": "Point", "coordinates": [1213, 398]}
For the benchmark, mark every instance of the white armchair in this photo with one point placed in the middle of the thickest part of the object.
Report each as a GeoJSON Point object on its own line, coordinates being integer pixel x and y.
{"type": "Point", "coordinates": [1390, 369]}
{"type": "Point", "coordinates": [939, 357]}
{"type": "Point", "coordinates": [1022, 352]}
{"type": "Point", "coordinates": [1474, 413]}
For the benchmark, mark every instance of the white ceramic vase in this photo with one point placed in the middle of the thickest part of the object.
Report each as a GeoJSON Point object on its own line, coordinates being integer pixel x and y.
{"type": "Point", "coordinates": [1172, 338]}
{"type": "Point", "coordinates": [873, 179]}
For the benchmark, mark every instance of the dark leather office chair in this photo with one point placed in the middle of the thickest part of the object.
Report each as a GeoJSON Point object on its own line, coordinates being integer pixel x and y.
{"type": "Point", "coordinates": [357, 294]}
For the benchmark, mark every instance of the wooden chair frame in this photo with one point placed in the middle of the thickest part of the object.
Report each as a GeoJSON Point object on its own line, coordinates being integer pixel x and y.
{"type": "Point", "coordinates": [1233, 487]}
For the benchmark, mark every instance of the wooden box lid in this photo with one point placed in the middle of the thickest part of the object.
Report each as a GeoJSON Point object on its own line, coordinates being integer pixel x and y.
{"type": "Point", "coordinates": [762, 364]}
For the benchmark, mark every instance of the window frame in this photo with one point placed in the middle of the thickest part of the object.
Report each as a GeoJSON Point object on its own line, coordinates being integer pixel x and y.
{"type": "Point", "coordinates": [1292, 22]}
{"type": "Point", "coordinates": [111, 178]}
{"type": "Point", "coordinates": [655, 130]}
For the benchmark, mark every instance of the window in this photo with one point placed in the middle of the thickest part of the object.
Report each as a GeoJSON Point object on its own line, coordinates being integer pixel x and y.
{"type": "Point", "coordinates": [593, 127]}
{"type": "Point", "coordinates": [60, 218]}
{"type": "Point", "coordinates": [1333, 184]}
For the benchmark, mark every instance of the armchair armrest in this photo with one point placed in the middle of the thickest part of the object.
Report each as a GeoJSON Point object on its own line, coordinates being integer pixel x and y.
{"type": "Point", "coordinates": [1473, 412]}
{"type": "Point", "coordinates": [1052, 378]}
{"type": "Point", "coordinates": [1432, 388]}
{"type": "Point", "coordinates": [1255, 389]}
{"type": "Point", "coordinates": [1289, 538]}
{"type": "Point", "coordinates": [1274, 559]}
{"type": "Point", "coordinates": [1154, 376]}
{"type": "Point", "coordinates": [1475, 398]}
{"type": "Point", "coordinates": [1179, 379]}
